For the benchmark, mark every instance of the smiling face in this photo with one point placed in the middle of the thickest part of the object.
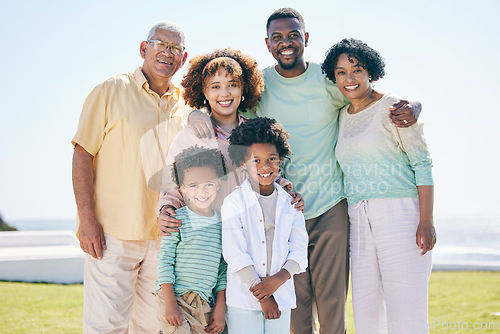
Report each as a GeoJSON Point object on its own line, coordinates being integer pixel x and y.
{"type": "Point", "coordinates": [223, 92]}
{"type": "Point", "coordinates": [286, 40]}
{"type": "Point", "coordinates": [353, 80]}
{"type": "Point", "coordinates": [199, 188]}
{"type": "Point", "coordinates": [262, 165]}
{"type": "Point", "coordinates": [162, 65]}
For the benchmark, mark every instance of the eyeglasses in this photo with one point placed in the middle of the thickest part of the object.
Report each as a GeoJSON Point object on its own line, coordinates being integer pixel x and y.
{"type": "Point", "coordinates": [176, 49]}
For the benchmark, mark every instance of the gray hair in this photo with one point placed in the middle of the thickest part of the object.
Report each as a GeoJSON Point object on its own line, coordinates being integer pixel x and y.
{"type": "Point", "coordinates": [170, 26]}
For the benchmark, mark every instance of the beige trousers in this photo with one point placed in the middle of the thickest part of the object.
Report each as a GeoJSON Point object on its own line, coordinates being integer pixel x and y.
{"type": "Point", "coordinates": [325, 281]}
{"type": "Point", "coordinates": [195, 314]}
{"type": "Point", "coordinates": [118, 290]}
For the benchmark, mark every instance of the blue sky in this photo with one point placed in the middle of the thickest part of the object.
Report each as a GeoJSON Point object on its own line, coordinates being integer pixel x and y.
{"type": "Point", "coordinates": [444, 53]}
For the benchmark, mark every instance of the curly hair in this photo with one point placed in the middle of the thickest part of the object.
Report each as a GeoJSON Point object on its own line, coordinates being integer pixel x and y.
{"type": "Point", "coordinates": [248, 75]}
{"type": "Point", "coordinates": [197, 156]}
{"type": "Point", "coordinates": [260, 130]}
{"type": "Point", "coordinates": [285, 13]}
{"type": "Point", "coordinates": [367, 57]}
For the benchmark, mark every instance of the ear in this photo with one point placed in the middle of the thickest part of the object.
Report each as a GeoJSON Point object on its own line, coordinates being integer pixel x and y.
{"type": "Point", "coordinates": [243, 165]}
{"type": "Point", "coordinates": [142, 49]}
{"type": "Point", "coordinates": [268, 46]}
{"type": "Point", "coordinates": [184, 58]}
{"type": "Point", "coordinates": [306, 38]}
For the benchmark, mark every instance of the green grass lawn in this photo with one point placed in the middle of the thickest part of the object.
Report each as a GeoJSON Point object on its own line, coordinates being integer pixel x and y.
{"type": "Point", "coordinates": [458, 301]}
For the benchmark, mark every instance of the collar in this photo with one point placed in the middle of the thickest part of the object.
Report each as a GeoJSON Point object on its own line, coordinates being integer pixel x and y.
{"type": "Point", "coordinates": [220, 131]}
{"type": "Point", "coordinates": [298, 78]}
{"type": "Point", "coordinates": [246, 186]}
{"type": "Point", "coordinates": [142, 82]}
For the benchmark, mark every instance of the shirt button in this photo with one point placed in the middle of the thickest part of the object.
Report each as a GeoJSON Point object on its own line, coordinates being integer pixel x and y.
{"type": "Point", "coordinates": [260, 220]}
{"type": "Point", "coordinates": [262, 241]}
{"type": "Point", "coordinates": [264, 264]}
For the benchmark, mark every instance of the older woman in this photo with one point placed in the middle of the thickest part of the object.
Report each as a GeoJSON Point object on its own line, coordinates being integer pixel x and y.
{"type": "Point", "coordinates": [389, 189]}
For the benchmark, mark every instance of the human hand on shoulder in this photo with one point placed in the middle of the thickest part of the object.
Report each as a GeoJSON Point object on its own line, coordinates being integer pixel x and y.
{"type": "Point", "coordinates": [201, 125]}
{"type": "Point", "coordinates": [404, 114]}
{"type": "Point", "coordinates": [298, 201]}
{"type": "Point", "coordinates": [166, 221]}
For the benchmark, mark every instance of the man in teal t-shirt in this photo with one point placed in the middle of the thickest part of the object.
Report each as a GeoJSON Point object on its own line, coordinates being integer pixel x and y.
{"type": "Point", "coordinates": [299, 96]}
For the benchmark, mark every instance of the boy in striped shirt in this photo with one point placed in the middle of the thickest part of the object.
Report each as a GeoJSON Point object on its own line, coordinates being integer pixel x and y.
{"type": "Point", "coordinates": [191, 271]}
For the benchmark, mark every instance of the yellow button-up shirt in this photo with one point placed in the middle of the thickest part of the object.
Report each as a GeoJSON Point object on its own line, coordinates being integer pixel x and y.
{"type": "Point", "coordinates": [128, 129]}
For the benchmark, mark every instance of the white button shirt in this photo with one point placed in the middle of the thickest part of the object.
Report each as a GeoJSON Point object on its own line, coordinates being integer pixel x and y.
{"type": "Point", "coordinates": [244, 244]}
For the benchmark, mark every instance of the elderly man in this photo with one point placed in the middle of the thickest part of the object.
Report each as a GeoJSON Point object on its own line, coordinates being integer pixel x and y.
{"type": "Point", "coordinates": [125, 129]}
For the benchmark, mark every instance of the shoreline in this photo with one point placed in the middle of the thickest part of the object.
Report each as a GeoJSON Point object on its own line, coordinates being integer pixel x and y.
{"type": "Point", "coordinates": [466, 266]}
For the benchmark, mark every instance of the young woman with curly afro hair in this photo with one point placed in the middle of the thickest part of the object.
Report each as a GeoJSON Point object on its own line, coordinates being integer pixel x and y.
{"type": "Point", "coordinates": [242, 68]}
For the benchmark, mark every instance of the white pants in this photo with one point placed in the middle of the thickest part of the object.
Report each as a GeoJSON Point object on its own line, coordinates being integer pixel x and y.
{"type": "Point", "coordinates": [389, 276]}
{"type": "Point", "coordinates": [118, 289]}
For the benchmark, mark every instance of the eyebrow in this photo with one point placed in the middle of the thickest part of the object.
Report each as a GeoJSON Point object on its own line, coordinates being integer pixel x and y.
{"type": "Point", "coordinates": [258, 157]}
{"type": "Point", "coordinates": [218, 82]}
{"type": "Point", "coordinates": [340, 67]}
{"type": "Point", "coordinates": [280, 33]}
{"type": "Point", "coordinates": [199, 182]}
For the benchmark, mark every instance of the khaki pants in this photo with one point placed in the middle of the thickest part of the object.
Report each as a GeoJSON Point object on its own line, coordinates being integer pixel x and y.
{"type": "Point", "coordinates": [118, 289]}
{"type": "Point", "coordinates": [195, 314]}
{"type": "Point", "coordinates": [325, 281]}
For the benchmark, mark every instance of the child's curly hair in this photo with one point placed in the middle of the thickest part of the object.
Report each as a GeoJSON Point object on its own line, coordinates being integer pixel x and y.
{"type": "Point", "coordinates": [367, 57]}
{"type": "Point", "coordinates": [197, 156]}
{"type": "Point", "coordinates": [261, 130]}
{"type": "Point", "coordinates": [249, 76]}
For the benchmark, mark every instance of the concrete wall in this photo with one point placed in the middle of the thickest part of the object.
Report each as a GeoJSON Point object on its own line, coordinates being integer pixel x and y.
{"type": "Point", "coordinates": [41, 256]}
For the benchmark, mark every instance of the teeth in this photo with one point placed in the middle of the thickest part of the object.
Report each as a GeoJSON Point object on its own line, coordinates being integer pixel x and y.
{"type": "Point", "coordinates": [165, 62]}
{"type": "Point", "coordinates": [225, 103]}
{"type": "Point", "coordinates": [203, 199]}
{"type": "Point", "coordinates": [352, 87]}
{"type": "Point", "coordinates": [287, 52]}
{"type": "Point", "coordinates": [265, 175]}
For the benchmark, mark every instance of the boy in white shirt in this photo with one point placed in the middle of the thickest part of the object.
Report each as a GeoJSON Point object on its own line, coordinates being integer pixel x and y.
{"type": "Point", "coordinates": [264, 239]}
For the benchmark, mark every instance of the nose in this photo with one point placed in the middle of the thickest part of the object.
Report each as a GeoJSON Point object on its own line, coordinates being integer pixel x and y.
{"type": "Point", "coordinates": [285, 41]}
{"type": "Point", "coordinates": [225, 91]}
{"type": "Point", "coordinates": [349, 77]}
{"type": "Point", "coordinates": [202, 191]}
{"type": "Point", "coordinates": [264, 165]}
{"type": "Point", "coordinates": [168, 51]}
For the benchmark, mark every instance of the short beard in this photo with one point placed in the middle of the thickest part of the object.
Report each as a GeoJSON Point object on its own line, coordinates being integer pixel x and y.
{"type": "Point", "coordinates": [290, 66]}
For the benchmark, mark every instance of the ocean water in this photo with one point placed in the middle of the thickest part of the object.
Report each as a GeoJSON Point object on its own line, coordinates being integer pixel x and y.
{"type": "Point", "coordinates": [463, 243]}
{"type": "Point", "coordinates": [43, 225]}
{"type": "Point", "coordinates": [468, 242]}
